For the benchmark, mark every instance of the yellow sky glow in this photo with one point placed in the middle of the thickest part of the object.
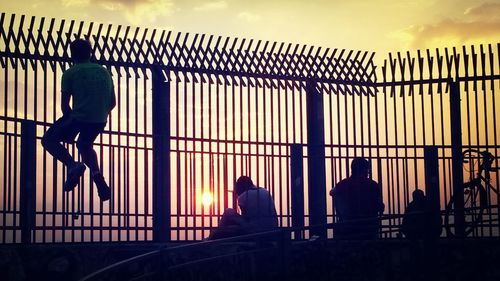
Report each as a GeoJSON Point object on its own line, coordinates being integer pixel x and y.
{"type": "Point", "coordinates": [371, 25]}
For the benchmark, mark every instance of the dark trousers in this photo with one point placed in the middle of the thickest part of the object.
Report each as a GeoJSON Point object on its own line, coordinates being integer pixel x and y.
{"type": "Point", "coordinates": [65, 129]}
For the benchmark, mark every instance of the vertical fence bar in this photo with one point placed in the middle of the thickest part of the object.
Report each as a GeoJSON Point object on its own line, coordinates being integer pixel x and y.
{"type": "Point", "coordinates": [380, 186]}
{"type": "Point", "coordinates": [119, 158]}
{"type": "Point", "coordinates": [279, 118]}
{"type": "Point", "coordinates": [178, 156]}
{"type": "Point", "coordinates": [456, 144]}
{"type": "Point", "coordinates": [28, 179]}
{"type": "Point", "coordinates": [161, 156]}
{"type": "Point", "coordinates": [297, 184]}
{"type": "Point", "coordinates": [432, 176]}
{"type": "Point", "coordinates": [316, 163]}
{"type": "Point", "coordinates": [126, 159]}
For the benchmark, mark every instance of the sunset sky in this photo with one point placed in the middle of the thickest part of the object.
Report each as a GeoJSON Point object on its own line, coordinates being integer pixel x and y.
{"type": "Point", "coordinates": [371, 25]}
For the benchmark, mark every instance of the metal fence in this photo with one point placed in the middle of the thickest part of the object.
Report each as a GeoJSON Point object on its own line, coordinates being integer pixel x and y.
{"type": "Point", "coordinates": [195, 112]}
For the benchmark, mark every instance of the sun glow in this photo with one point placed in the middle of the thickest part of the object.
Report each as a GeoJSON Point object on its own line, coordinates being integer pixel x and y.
{"type": "Point", "coordinates": [207, 199]}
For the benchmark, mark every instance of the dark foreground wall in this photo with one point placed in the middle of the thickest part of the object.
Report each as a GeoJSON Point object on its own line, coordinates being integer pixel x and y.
{"type": "Point", "coordinates": [62, 262]}
{"type": "Point", "coordinates": [319, 260]}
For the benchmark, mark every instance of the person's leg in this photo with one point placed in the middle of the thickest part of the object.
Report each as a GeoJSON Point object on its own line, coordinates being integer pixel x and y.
{"type": "Point", "coordinates": [60, 131]}
{"type": "Point", "coordinates": [230, 225]}
{"type": "Point", "coordinates": [89, 157]}
{"type": "Point", "coordinates": [64, 130]}
{"type": "Point", "coordinates": [231, 217]}
{"type": "Point", "coordinates": [85, 143]}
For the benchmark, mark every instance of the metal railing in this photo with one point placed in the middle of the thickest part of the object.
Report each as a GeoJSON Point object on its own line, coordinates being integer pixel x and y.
{"type": "Point", "coordinates": [169, 262]}
{"type": "Point", "coordinates": [269, 256]}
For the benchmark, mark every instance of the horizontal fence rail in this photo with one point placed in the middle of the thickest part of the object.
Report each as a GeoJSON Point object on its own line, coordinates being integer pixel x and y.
{"type": "Point", "coordinates": [236, 107]}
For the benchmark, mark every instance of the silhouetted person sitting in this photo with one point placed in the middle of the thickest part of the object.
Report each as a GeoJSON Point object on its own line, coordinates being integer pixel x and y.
{"type": "Point", "coordinates": [420, 221]}
{"type": "Point", "coordinates": [90, 87]}
{"type": "Point", "coordinates": [358, 203]}
{"type": "Point", "coordinates": [258, 213]}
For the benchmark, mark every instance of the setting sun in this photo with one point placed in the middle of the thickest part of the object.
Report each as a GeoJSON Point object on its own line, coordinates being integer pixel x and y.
{"type": "Point", "coordinates": [207, 199]}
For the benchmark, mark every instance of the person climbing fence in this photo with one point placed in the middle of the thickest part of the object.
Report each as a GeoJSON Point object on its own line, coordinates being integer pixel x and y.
{"type": "Point", "coordinates": [90, 87]}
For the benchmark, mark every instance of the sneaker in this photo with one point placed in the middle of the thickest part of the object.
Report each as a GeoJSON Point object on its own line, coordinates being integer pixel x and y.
{"type": "Point", "coordinates": [74, 174]}
{"type": "Point", "coordinates": [103, 189]}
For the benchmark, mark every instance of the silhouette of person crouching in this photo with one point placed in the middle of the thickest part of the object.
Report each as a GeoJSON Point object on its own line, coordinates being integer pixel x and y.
{"type": "Point", "coordinates": [358, 203]}
{"type": "Point", "coordinates": [258, 212]}
{"type": "Point", "coordinates": [420, 221]}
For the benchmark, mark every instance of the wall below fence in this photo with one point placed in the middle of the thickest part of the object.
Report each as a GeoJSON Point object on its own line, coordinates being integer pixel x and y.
{"type": "Point", "coordinates": [342, 260]}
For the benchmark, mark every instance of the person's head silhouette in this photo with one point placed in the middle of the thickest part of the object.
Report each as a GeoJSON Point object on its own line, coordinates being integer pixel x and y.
{"type": "Point", "coordinates": [243, 184]}
{"type": "Point", "coordinates": [80, 50]}
{"type": "Point", "coordinates": [360, 167]}
{"type": "Point", "coordinates": [418, 195]}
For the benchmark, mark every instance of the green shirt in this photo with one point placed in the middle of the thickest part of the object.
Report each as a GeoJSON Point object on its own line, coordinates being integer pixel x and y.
{"type": "Point", "coordinates": [91, 88]}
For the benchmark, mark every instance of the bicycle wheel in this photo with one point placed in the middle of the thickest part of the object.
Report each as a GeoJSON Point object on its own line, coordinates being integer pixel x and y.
{"type": "Point", "coordinates": [475, 201]}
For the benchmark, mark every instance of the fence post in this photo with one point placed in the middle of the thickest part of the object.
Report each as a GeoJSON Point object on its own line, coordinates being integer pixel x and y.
{"type": "Point", "coordinates": [28, 179]}
{"type": "Point", "coordinates": [316, 162]}
{"type": "Point", "coordinates": [456, 153]}
{"type": "Point", "coordinates": [380, 186]}
{"type": "Point", "coordinates": [161, 155]}
{"type": "Point", "coordinates": [297, 180]}
{"type": "Point", "coordinates": [431, 167]}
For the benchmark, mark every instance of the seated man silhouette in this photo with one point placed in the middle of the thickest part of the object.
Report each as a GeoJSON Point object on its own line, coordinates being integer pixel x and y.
{"type": "Point", "coordinates": [420, 221]}
{"type": "Point", "coordinates": [90, 87]}
{"type": "Point", "coordinates": [258, 212]}
{"type": "Point", "coordinates": [358, 203]}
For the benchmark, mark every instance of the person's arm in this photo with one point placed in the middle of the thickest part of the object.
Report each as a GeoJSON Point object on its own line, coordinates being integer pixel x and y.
{"type": "Point", "coordinates": [243, 208]}
{"type": "Point", "coordinates": [377, 200]}
{"type": "Point", "coordinates": [113, 99]}
{"type": "Point", "coordinates": [65, 92]}
{"type": "Point", "coordinates": [381, 204]}
{"type": "Point", "coordinates": [113, 95]}
{"type": "Point", "coordinates": [65, 97]}
{"type": "Point", "coordinates": [243, 203]}
{"type": "Point", "coordinates": [382, 207]}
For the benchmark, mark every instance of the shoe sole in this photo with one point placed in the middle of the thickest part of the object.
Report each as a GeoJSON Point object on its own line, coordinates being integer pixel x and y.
{"type": "Point", "coordinates": [71, 183]}
{"type": "Point", "coordinates": [105, 198]}
{"type": "Point", "coordinates": [103, 189]}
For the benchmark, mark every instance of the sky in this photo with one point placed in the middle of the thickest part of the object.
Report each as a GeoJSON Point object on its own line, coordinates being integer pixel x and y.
{"type": "Point", "coordinates": [369, 25]}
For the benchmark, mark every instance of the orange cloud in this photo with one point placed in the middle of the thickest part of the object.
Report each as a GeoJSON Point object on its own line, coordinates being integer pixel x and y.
{"type": "Point", "coordinates": [249, 17]}
{"type": "Point", "coordinates": [480, 24]}
{"type": "Point", "coordinates": [486, 11]}
{"type": "Point", "coordinates": [211, 6]}
{"type": "Point", "coordinates": [148, 11]}
{"type": "Point", "coordinates": [74, 3]}
{"type": "Point", "coordinates": [136, 12]}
